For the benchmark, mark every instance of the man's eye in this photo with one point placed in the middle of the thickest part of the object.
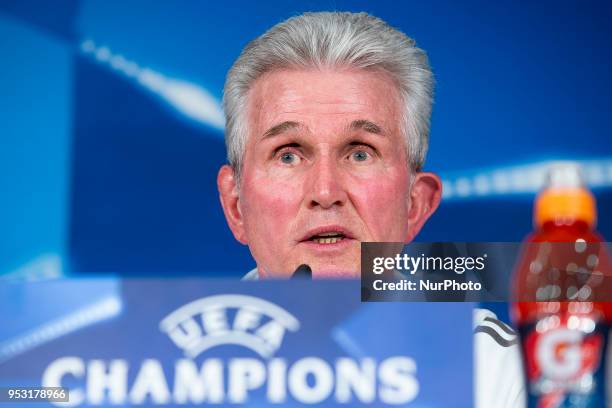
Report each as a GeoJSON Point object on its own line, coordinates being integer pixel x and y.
{"type": "Point", "coordinates": [360, 155]}
{"type": "Point", "coordinates": [289, 158]}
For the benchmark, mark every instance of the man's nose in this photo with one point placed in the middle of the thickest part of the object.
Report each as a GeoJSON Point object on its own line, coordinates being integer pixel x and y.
{"type": "Point", "coordinates": [325, 185]}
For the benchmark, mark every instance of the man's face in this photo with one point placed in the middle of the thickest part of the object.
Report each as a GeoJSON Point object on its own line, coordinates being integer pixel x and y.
{"type": "Point", "coordinates": [325, 168]}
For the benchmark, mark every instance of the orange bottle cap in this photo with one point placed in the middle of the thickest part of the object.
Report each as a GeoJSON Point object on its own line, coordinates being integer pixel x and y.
{"type": "Point", "coordinates": [562, 204]}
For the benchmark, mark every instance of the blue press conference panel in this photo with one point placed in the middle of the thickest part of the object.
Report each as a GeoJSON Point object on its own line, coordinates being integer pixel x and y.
{"type": "Point", "coordinates": [178, 342]}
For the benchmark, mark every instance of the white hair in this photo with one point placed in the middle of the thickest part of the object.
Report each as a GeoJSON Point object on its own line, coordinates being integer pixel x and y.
{"type": "Point", "coordinates": [333, 39]}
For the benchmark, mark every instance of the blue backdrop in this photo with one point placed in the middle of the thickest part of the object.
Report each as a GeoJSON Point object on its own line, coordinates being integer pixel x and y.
{"type": "Point", "coordinates": [112, 134]}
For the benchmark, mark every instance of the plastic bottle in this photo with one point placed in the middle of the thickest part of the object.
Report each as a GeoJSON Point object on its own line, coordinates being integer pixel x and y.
{"type": "Point", "coordinates": [561, 285]}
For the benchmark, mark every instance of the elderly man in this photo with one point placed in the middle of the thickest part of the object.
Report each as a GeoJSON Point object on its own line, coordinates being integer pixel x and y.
{"type": "Point", "coordinates": [327, 130]}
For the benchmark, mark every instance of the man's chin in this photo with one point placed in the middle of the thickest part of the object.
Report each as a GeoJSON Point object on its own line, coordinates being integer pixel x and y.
{"type": "Point", "coordinates": [317, 272]}
{"type": "Point", "coordinates": [324, 268]}
{"type": "Point", "coordinates": [334, 274]}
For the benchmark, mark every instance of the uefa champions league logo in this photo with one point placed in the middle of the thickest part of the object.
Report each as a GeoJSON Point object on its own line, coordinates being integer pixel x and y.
{"type": "Point", "coordinates": [202, 324]}
{"type": "Point", "coordinates": [197, 328]}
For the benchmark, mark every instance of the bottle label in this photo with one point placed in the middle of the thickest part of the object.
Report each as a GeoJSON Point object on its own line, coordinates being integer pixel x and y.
{"type": "Point", "coordinates": [564, 361]}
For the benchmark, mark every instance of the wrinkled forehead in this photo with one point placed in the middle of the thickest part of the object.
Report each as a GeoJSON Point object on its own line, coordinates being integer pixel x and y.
{"type": "Point", "coordinates": [321, 101]}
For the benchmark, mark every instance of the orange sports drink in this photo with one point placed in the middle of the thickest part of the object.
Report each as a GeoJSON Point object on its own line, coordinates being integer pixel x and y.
{"type": "Point", "coordinates": [561, 290]}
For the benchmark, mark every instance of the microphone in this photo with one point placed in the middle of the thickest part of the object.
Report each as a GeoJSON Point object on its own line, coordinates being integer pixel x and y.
{"type": "Point", "coordinates": [302, 272]}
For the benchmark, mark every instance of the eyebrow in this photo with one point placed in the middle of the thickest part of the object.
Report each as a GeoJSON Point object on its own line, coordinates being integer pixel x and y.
{"type": "Point", "coordinates": [366, 125]}
{"type": "Point", "coordinates": [360, 124]}
{"type": "Point", "coordinates": [281, 128]}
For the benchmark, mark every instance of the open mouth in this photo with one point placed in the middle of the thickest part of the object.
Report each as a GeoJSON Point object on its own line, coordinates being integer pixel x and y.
{"type": "Point", "coordinates": [331, 237]}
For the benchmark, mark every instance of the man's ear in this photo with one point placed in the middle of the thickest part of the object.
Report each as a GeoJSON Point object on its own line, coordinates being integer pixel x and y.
{"type": "Point", "coordinates": [228, 193]}
{"type": "Point", "coordinates": [424, 199]}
